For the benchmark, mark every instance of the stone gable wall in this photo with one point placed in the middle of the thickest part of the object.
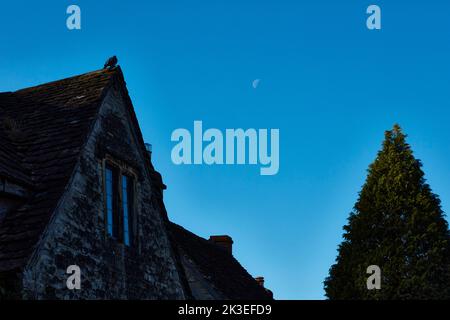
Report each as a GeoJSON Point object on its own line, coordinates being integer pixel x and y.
{"type": "Point", "coordinates": [77, 233]}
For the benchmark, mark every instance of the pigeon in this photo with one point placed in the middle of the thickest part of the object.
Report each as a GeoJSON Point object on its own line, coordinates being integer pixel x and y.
{"type": "Point", "coordinates": [111, 63]}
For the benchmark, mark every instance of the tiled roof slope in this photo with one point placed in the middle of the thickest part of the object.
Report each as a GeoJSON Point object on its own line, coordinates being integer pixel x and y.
{"type": "Point", "coordinates": [10, 157]}
{"type": "Point", "coordinates": [50, 125]}
{"type": "Point", "coordinates": [218, 266]}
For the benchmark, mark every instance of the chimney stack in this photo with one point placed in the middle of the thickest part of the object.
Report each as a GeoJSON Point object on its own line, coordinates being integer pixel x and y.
{"type": "Point", "coordinates": [260, 281]}
{"type": "Point", "coordinates": [224, 241]}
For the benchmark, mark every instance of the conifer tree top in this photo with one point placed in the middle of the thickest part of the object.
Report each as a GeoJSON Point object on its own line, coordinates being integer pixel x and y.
{"type": "Point", "coordinates": [397, 224]}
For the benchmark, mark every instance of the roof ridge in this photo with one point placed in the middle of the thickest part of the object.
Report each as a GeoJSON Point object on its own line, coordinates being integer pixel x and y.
{"type": "Point", "coordinates": [193, 234]}
{"type": "Point", "coordinates": [98, 71]}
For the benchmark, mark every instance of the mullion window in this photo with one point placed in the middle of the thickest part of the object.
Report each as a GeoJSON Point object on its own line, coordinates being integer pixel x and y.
{"type": "Point", "coordinates": [119, 191]}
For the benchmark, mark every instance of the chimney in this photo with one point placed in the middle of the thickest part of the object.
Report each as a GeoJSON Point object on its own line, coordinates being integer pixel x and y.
{"type": "Point", "coordinates": [224, 241]}
{"type": "Point", "coordinates": [148, 147]}
{"type": "Point", "coordinates": [260, 281]}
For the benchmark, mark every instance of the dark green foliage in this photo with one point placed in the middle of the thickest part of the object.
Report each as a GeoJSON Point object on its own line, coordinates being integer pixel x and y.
{"type": "Point", "coordinates": [397, 224]}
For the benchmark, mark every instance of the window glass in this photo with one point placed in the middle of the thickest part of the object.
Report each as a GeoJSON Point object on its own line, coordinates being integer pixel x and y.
{"type": "Point", "coordinates": [109, 200]}
{"type": "Point", "coordinates": [125, 206]}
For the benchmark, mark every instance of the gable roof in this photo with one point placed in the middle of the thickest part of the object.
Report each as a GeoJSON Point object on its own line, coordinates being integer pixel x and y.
{"type": "Point", "coordinates": [218, 266]}
{"type": "Point", "coordinates": [43, 129]}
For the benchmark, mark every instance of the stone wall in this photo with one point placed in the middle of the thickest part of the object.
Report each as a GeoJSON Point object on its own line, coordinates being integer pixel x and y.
{"type": "Point", "coordinates": [77, 234]}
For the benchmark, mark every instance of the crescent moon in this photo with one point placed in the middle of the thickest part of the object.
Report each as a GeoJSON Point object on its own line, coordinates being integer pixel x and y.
{"type": "Point", "coordinates": [255, 83]}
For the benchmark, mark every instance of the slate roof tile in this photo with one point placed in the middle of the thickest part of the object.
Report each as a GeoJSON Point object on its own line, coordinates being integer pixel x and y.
{"type": "Point", "coordinates": [51, 122]}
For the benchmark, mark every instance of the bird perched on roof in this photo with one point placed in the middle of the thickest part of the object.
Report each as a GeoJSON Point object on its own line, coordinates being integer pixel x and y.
{"type": "Point", "coordinates": [111, 63]}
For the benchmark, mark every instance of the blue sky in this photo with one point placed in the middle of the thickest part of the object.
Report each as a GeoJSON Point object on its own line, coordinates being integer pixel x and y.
{"type": "Point", "coordinates": [328, 83]}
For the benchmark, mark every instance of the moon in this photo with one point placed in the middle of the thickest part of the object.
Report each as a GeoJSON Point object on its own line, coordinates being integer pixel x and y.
{"type": "Point", "coordinates": [255, 83]}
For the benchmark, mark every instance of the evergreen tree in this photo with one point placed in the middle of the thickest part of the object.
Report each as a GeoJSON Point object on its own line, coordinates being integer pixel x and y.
{"type": "Point", "coordinates": [397, 223]}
